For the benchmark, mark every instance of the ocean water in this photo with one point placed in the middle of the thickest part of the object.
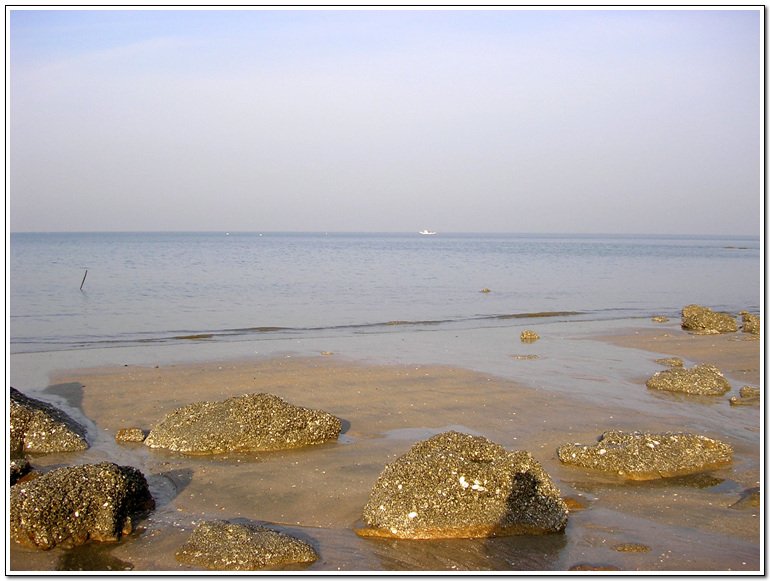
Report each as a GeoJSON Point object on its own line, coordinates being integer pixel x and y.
{"type": "Point", "coordinates": [171, 288]}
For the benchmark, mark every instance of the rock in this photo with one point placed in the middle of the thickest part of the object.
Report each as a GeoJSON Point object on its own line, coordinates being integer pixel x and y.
{"type": "Point", "coordinates": [130, 435]}
{"type": "Point", "coordinates": [587, 567]}
{"type": "Point", "coordinates": [222, 546]}
{"type": "Point", "coordinates": [748, 396]}
{"type": "Point", "coordinates": [704, 320]}
{"type": "Point", "coordinates": [660, 319]}
{"type": "Point", "coordinates": [21, 470]}
{"type": "Point", "coordinates": [456, 485]}
{"type": "Point", "coordinates": [68, 506]}
{"type": "Point", "coordinates": [643, 456]}
{"type": "Point", "coordinates": [37, 427]}
{"type": "Point", "coordinates": [529, 336]}
{"type": "Point", "coordinates": [671, 361]}
{"type": "Point", "coordinates": [530, 356]}
{"type": "Point", "coordinates": [250, 422]}
{"type": "Point", "coordinates": [700, 380]}
{"type": "Point", "coordinates": [751, 323]}
{"type": "Point", "coordinates": [486, 290]}
{"type": "Point", "coordinates": [632, 548]}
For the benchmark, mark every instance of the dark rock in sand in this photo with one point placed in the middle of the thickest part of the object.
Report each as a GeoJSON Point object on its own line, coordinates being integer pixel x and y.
{"type": "Point", "coordinates": [130, 435]}
{"type": "Point", "coordinates": [529, 336]}
{"type": "Point", "coordinates": [751, 323]}
{"type": "Point", "coordinates": [37, 427]}
{"type": "Point", "coordinates": [700, 380]}
{"type": "Point", "coordinates": [671, 361]}
{"type": "Point", "coordinates": [456, 485]}
{"type": "Point", "coordinates": [21, 469]}
{"type": "Point", "coordinates": [704, 320]}
{"type": "Point", "coordinates": [643, 456]}
{"type": "Point", "coordinates": [222, 546]}
{"type": "Point", "coordinates": [69, 506]}
{"type": "Point", "coordinates": [250, 422]}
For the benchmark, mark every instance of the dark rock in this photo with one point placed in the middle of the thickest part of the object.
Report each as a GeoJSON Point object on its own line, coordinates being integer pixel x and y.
{"type": "Point", "coordinates": [700, 380]}
{"type": "Point", "coordinates": [643, 456]}
{"type": "Point", "coordinates": [671, 361]}
{"type": "Point", "coordinates": [21, 470]}
{"type": "Point", "coordinates": [751, 323]}
{"type": "Point", "coordinates": [456, 485]}
{"type": "Point", "coordinates": [130, 435]}
{"type": "Point", "coordinates": [37, 427]}
{"type": "Point", "coordinates": [704, 320]}
{"type": "Point", "coordinates": [72, 505]}
{"type": "Point", "coordinates": [529, 336]}
{"type": "Point", "coordinates": [222, 546]}
{"type": "Point", "coordinates": [250, 422]}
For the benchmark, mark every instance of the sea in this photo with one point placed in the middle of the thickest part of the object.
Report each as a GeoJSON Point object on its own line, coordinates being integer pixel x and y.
{"type": "Point", "coordinates": [80, 291]}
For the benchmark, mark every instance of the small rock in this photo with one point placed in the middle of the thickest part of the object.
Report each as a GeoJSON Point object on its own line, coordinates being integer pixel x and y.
{"type": "Point", "coordinates": [700, 380]}
{"type": "Point", "coordinates": [751, 323]}
{"type": "Point", "coordinates": [69, 506]}
{"type": "Point", "coordinates": [37, 427]}
{"type": "Point", "coordinates": [529, 336]}
{"type": "Point", "coordinates": [21, 470]}
{"type": "Point", "coordinates": [750, 391]}
{"type": "Point", "coordinates": [660, 319]}
{"type": "Point", "coordinates": [222, 546]}
{"type": "Point", "coordinates": [486, 290]}
{"type": "Point", "coordinates": [671, 361]}
{"type": "Point", "coordinates": [524, 356]}
{"type": "Point", "coordinates": [587, 567]}
{"type": "Point", "coordinates": [456, 485]}
{"type": "Point", "coordinates": [748, 401]}
{"type": "Point", "coordinates": [130, 435]}
{"type": "Point", "coordinates": [703, 319]}
{"type": "Point", "coordinates": [632, 548]}
{"type": "Point", "coordinates": [643, 456]}
{"type": "Point", "coordinates": [251, 422]}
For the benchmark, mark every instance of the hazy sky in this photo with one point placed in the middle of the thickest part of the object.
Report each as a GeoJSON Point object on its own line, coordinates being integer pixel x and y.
{"type": "Point", "coordinates": [465, 121]}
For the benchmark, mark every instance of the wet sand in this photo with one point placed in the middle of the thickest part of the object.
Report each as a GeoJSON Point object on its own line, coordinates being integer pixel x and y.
{"type": "Point", "coordinates": [318, 493]}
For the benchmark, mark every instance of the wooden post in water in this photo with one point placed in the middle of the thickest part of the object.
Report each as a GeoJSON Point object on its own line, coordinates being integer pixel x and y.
{"type": "Point", "coordinates": [84, 279]}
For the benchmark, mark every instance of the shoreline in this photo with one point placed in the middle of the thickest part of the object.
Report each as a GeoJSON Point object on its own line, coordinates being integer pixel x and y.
{"type": "Point", "coordinates": [318, 493]}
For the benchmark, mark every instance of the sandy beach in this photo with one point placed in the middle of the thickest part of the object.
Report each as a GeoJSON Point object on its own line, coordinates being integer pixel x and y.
{"type": "Point", "coordinates": [318, 493]}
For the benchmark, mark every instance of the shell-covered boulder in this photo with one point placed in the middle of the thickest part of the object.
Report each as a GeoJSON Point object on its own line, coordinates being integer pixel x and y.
{"type": "Point", "coordinates": [72, 505]}
{"type": "Point", "coordinates": [37, 427]}
{"type": "Point", "coordinates": [223, 546]}
{"type": "Point", "coordinates": [644, 456]}
{"type": "Point", "coordinates": [700, 380]}
{"type": "Point", "coordinates": [456, 485]}
{"type": "Point", "coordinates": [704, 320]}
{"type": "Point", "coordinates": [751, 323]}
{"type": "Point", "coordinates": [251, 422]}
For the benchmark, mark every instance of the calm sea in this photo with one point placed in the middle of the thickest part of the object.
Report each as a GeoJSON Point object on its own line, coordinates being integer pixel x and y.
{"type": "Point", "coordinates": [175, 287]}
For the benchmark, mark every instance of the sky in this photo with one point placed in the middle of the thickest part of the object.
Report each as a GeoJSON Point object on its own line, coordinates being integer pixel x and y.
{"type": "Point", "coordinates": [531, 121]}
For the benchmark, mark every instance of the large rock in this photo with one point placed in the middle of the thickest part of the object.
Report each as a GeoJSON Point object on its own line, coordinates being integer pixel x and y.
{"type": "Point", "coordinates": [456, 485]}
{"type": "Point", "coordinates": [700, 380]}
{"type": "Point", "coordinates": [223, 546]}
{"type": "Point", "coordinates": [751, 323]}
{"type": "Point", "coordinates": [704, 320]}
{"type": "Point", "coordinates": [69, 506]}
{"type": "Point", "coordinates": [39, 428]}
{"type": "Point", "coordinates": [250, 422]}
{"type": "Point", "coordinates": [643, 456]}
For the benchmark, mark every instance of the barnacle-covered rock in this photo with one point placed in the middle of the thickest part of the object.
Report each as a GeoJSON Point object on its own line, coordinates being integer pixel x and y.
{"type": "Point", "coordinates": [37, 427]}
{"type": "Point", "coordinates": [72, 505]}
{"type": "Point", "coordinates": [134, 435]}
{"type": "Point", "coordinates": [250, 422]}
{"type": "Point", "coordinates": [529, 336]}
{"type": "Point", "coordinates": [749, 395]}
{"type": "Point", "coordinates": [644, 456]}
{"type": "Point", "coordinates": [751, 323]}
{"type": "Point", "coordinates": [456, 485]}
{"type": "Point", "coordinates": [700, 380]}
{"type": "Point", "coordinates": [223, 546]}
{"type": "Point", "coordinates": [671, 361]}
{"type": "Point", "coordinates": [704, 320]}
{"type": "Point", "coordinates": [20, 468]}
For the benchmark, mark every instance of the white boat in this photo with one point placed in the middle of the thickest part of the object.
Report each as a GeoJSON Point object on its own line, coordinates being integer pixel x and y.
{"type": "Point", "coordinates": [426, 232]}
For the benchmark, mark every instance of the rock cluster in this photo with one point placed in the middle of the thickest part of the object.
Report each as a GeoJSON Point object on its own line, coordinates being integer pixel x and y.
{"type": "Point", "coordinates": [529, 336]}
{"type": "Point", "coordinates": [69, 506]}
{"type": "Point", "coordinates": [222, 546]}
{"type": "Point", "coordinates": [700, 380]}
{"type": "Point", "coordinates": [748, 396]}
{"type": "Point", "coordinates": [250, 422]}
{"type": "Point", "coordinates": [644, 456]}
{"type": "Point", "coordinates": [751, 323]}
{"type": "Point", "coordinates": [456, 485]}
{"type": "Point", "coordinates": [704, 320]}
{"type": "Point", "coordinates": [39, 428]}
